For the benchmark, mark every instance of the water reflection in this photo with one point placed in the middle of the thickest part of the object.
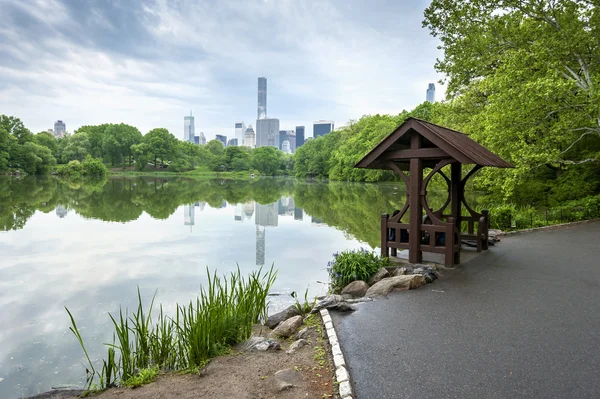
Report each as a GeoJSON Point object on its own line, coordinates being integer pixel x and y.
{"type": "Point", "coordinates": [88, 245]}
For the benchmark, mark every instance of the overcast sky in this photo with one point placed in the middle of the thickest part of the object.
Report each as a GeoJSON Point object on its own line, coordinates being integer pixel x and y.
{"type": "Point", "coordinates": [149, 62]}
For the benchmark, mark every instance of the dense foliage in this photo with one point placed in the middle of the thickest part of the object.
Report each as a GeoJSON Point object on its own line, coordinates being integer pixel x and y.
{"type": "Point", "coordinates": [349, 266]}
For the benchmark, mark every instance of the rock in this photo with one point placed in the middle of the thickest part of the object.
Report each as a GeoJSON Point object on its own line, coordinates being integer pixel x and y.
{"type": "Point", "coordinates": [297, 345]}
{"type": "Point", "coordinates": [305, 332]}
{"type": "Point", "coordinates": [333, 302]}
{"type": "Point", "coordinates": [377, 277]}
{"type": "Point", "coordinates": [356, 289]}
{"type": "Point", "coordinates": [288, 328]}
{"type": "Point", "coordinates": [277, 318]}
{"type": "Point", "coordinates": [260, 344]}
{"type": "Point", "coordinates": [59, 394]}
{"type": "Point", "coordinates": [383, 287]}
{"type": "Point", "coordinates": [289, 376]}
{"type": "Point", "coordinates": [400, 271]}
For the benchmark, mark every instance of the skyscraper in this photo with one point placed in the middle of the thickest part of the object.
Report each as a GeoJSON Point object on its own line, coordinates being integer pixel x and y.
{"type": "Point", "coordinates": [321, 128]}
{"type": "Point", "coordinates": [60, 128]}
{"type": "Point", "coordinates": [188, 215]}
{"type": "Point", "coordinates": [240, 129]}
{"type": "Point", "coordinates": [262, 99]}
{"type": "Point", "coordinates": [189, 130]}
{"type": "Point", "coordinates": [282, 138]}
{"type": "Point", "coordinates": [431, 93]}
{"type": "Point", "coordinates": [291, 136]}
{"type": "Point", "coordinates": [233, 142]}
{"type": "Point", "coordinates": [299, 136]}
{"type": "Point", "coordinates": [222, 139]}
{"type": "Point", "coordinates": [201, 139]}
{"type": "Point", "coordinates": [267, 132]}
{"type": "Point", "coordinates": [250, 137]}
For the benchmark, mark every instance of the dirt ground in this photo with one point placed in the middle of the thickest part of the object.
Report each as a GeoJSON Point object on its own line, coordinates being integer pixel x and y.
{"type": "Point", "coordinates": [248, 375]}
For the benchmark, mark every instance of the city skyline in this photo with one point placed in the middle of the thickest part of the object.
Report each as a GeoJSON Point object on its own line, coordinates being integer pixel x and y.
{"type": "Point", "coordinates": [147, 64]}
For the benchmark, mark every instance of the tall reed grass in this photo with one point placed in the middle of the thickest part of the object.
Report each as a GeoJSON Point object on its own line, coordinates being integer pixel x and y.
{"type": "Point", "coordinates": [221, 316]}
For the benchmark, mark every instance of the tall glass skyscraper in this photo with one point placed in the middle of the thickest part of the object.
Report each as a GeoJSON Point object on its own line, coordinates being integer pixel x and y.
{"type": "Point", "coordinates": [321, 128]}
{"type": "Point", "coordinates": [240, 129]}
{"type": "Point", "coordinates": [431, 93]}
{"type": "Point", "coordinates": [189, 130]}
{"type": "Point", "coordinates": [222, 139]}
{"type": "Point", "coordinates": [299, 136]}
{"type": "Point", "coordinates": [267, 132]}
{"type": "Point", "coordinates": [262, 98]}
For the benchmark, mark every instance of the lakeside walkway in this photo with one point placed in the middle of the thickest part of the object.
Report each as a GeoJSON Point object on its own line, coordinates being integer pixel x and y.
{"type": "Point", "coordinates": [522, 320]}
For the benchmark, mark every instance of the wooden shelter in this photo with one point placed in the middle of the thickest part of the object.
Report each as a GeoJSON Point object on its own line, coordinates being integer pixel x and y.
{"type": "Point", "coordinates": [416, 145]}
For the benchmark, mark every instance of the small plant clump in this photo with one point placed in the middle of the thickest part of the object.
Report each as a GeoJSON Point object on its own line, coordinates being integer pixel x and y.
{"type": "Point", "coordinates": [305, 307]}
{"type": "Point", "coordinates": [349, 266]}
{"type": "Point", "coordinates": [221, 316]}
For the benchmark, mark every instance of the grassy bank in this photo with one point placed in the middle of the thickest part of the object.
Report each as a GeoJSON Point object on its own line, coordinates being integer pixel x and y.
{"type": "Point", "coordinates": [198, 172]}
{"type": "Point", "coordinates": [220, 317]}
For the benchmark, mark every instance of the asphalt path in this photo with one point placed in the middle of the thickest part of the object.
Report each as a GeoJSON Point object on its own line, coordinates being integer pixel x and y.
{"type": "Point", "coordinates": [522, 320]}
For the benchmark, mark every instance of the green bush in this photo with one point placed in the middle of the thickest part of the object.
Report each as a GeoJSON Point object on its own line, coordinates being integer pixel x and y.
{"type": "Point", "coordinates": [93, 166]}
{"type": "Point", "coordinates": [354, 265]}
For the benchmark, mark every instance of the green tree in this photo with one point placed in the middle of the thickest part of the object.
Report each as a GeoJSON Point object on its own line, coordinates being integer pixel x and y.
{"type": "Point", "coordinates": [522, 80]}
{"type": "Point", "coordinates": [95, 134]}
{"type": "Point", "coordinates": [117, 142]}
{"type": "Point", "coordinates": [47, 140]}
{"type": "Point", "coordinates": [37, 159]}
{"type": "Point", "coordinates": [141, 154]}
{"type": "Point", "coordinates": [266, 160]}
{"type": "Point", "coordinates": [161, 144]}
{"type": "Point", "coordinates": [215, 147]}
{"type": "Point", "coordinates": [77, 147]}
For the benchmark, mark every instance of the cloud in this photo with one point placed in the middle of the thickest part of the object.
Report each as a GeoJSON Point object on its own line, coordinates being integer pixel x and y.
{"type": "Point", "coordinates": [149, 62]}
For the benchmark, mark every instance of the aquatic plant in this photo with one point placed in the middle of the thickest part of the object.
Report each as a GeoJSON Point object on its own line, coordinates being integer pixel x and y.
{"type": "Point", "coordinates": [353, 265]}
{"type": "Point", "coordinates": [305, 307]}
{"type": "Point", "coordinates": [221, 316]}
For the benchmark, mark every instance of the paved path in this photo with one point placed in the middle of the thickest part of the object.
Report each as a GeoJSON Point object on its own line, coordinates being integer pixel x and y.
{"type": "Point", "coordinates": [522, 320]}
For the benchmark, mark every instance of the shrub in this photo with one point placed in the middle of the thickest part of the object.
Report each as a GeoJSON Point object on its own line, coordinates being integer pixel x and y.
{"type": "Point", "coordinates": [354, 265]}
{"type": "Point", "coordinates": [93, 166]}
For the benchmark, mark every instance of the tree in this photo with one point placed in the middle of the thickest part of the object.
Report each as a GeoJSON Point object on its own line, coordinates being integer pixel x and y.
{"type": "Point", "coordinates": [77, 147]}
{"type": "Point", "coordinates": [15, 128]}
{"type": "Point", "coordinates": [215, 147]}
{"type": "Point", "coordinates": [47, 140]}
{"type": "Point", "coordinates": [266, 160]}
{"type": "Point", "coordinates": [161, 144]}
{"type": "Point", "coordinates": [141, 154]}
{"type": "Point", "coordinates": [95, 134]}
{"type": "Point", "coordinates": [117, 142]}
{"type": "Point", "coordinates": [522, 79]}
{"type": "Point", "coordinates": [37, 159]}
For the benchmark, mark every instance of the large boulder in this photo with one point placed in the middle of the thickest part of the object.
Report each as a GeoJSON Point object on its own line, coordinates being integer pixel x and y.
{"type": "Point", "coordinates": [288, 328]}
{"type": "Point", "coordinates": [380, 275]}
{"type": "Point", "coordinates": [305, 333]}
{"type": "Point", "coordinates": [285, 314]}
{"type": "Point", "coordinates": [260, 344]}
{"type": "Point", "coordinates": [385, 286]}
{"type": "Point", "coordinates": [356, 289]}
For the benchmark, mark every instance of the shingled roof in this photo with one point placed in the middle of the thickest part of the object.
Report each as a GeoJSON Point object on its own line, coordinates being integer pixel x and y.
{"type": "Point", "coordinates": [439, 141]}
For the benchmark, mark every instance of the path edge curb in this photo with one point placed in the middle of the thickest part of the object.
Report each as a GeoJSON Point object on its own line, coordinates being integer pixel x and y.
{"type": "Point", "coordinates": [341, 371]}
{"type": "Point", "coordinates": [549, 227]}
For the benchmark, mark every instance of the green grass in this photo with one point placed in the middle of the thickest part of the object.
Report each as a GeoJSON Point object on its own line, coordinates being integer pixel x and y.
{"type": "Point", "coordinates": [143, 377]}
{"type": "Point", "coordinates": [197, 172]}
{"type": "Point", "coordinates": [220, 317]}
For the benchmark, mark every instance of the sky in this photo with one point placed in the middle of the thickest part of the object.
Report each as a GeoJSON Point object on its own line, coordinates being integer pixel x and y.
{"type": "Point", "coordinates": [149, 63]}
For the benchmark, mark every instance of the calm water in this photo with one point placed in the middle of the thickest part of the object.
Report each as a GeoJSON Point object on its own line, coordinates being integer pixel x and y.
{"type": "Point", "coordinates": [88, 246]}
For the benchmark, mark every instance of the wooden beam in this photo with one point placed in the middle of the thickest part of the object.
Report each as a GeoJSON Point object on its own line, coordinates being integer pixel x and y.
{"type": "Point", "coordinates": [455, 200]}
{"type": "Point", "coordinates": [416, 211]}
{"type": "Point", "coordinates": [424, 153]}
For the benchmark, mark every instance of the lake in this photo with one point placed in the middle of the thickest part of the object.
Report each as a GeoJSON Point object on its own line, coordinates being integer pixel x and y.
{"type": "Point", "coordinates": [88, 246]}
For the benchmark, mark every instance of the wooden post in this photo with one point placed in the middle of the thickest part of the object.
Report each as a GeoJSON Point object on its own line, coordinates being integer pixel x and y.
{"type": "Point", "coordinates": [486, 215]}
{"type": "Point", "coordinates": [455, 202]}
{"type": "Point", "coordinates": [416, 211]}
{"type": "Point", "coordinates": [449, 258]}
{"type": "Point", "coordinates": [384, 235]}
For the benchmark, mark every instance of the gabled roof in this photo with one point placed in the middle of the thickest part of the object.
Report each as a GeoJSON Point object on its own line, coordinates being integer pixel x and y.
{"type": "Point", "coordinates": [441, 142]}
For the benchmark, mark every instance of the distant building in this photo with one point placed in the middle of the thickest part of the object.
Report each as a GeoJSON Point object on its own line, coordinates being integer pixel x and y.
{"type": "Point", "coordinates": [290, 137]}
{"type": "Point", "coordinates": [299, 136]}
{"type": "Point", "coordinates": [232, 142]}
{"type": "Point", "coordinates": [61, 211]}
{"type": "Point", "coordinates": [188, 215]}
{"type": "Point", "coordinates": [60, 129]}
{"type": "Point", "coordinates": [285, 147]}
{"type": "Point", "coordinates": [298, 214]}
{"type": "Point", "coordinates": [201, 139]}
{"type": "Point", "coordinates": [321, 128]}
{"type": "Point", "coordinates": [240, 129]}
{"type": "Point", "coordinates": [431, 93]}
{"type": "Point", "coordinates": [267, 133]}
{"type": "Point", "coordinates": [250, 137]}
{"type": "Point", "coordinates": [222, 139]}
{"type": "Point", "coordinates": [239, 211]}
{"type": "Point", "coordinates": [189, 130]}
{"type": "Point", "coordinates": [197, 140]}
{"type": "Point", "coordinates": [249, 209]}
{"type": "Point", "coordinates": [262, 99]}
{"type": "Point", "coordinates": [50, 131]}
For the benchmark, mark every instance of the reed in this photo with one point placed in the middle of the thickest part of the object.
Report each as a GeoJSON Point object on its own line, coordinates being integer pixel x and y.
{"type": "Point", "coordinates": [221, 316]}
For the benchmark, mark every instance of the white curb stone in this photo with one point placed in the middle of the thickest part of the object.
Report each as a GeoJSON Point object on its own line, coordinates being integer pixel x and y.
{"type": "Point", "coordinates": [341, 373]}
